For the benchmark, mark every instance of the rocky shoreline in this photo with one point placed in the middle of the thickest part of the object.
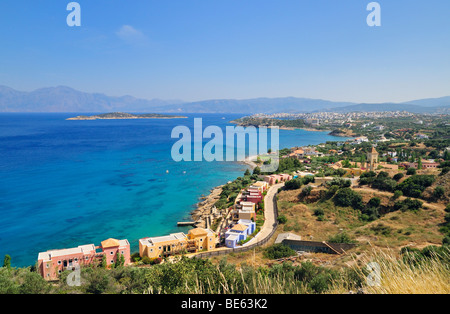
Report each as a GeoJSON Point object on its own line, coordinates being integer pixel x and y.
{"type": "Point", "coordinates": [205, 209]}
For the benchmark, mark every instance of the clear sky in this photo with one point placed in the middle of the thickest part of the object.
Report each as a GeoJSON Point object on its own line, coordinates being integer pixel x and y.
{"type": "Point", "coordinates": [207, 49]}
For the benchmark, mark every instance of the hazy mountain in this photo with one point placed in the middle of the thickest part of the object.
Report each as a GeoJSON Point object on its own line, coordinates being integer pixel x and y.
{"type": "Point", "coordinates": [66, 99]}
{"type": "Point", "coordinates": [257, 105]}
{"type": "Point", "coordinates": [431, 102]}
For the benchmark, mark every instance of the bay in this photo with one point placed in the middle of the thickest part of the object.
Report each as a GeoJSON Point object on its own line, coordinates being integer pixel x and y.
{"type": "Point", "coordinates": [69, 183]}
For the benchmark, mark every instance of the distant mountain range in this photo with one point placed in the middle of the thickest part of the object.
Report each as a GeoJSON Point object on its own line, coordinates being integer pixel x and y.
{"type": "Point", "coordinates": [66, 99]}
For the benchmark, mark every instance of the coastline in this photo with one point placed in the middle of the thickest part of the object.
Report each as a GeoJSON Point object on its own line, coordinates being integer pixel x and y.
{"type": "Point", "coordinates": [205, 206]}
{"type": "Point", "coordinates": [308, 129]}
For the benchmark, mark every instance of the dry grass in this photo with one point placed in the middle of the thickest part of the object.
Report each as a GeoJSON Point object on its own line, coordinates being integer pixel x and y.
{"type": "Point", "coordinates": [400, 229]}
{"type": "Point", "coordinates": [256, 284]}
{"type": "Point", "coordinates": [401, 275]}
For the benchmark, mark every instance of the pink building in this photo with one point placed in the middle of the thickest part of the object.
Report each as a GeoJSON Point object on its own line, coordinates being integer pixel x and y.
{"type": "Point", "coordinates": [254, 197]}
{"type": "Point", "coordinates": [54, 262]}
{"type": "Point", "coordinates": [273, 179]}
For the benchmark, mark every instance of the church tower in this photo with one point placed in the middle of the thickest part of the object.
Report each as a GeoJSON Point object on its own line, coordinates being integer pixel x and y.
{"type": "Point", "coordinates": [372, 159]}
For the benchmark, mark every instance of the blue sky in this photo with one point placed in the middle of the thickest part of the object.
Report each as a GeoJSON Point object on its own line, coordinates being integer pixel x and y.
{"type": "Point", "coordinates": [207, 49]}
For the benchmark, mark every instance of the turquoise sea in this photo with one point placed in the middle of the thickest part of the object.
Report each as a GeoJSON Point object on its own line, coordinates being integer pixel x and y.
{"type": "Point", "coordinates": [69, 183]}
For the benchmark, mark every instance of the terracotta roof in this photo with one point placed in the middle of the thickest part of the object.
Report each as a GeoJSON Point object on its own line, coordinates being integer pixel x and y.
{"type": "Point", "coordinates": [110, 243]}
{"type": "Point", "coordinates": [240, 227]}
{"type": "Point", "coordinates": [198, 232]}
{"type": "Point", "coordinates": [374, 151]}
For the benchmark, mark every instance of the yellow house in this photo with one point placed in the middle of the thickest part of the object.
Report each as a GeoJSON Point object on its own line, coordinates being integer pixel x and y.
{"type": "Point", "coordinates": [205, 239]}
{"type": "Point", "coordinates": [261, 185]}
{"type": "Point", "coordinates": [159, 247]}
{"type": "Point", "coordinates": [178, 243]}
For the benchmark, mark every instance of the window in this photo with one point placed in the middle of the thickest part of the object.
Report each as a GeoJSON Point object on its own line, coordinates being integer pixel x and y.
{"type": "Point", "coordinates": [112, 262]}
{"type": "Point", "coordinates": [160, 248]}
{"type": "Point", "coordinates": [87, 257]}
{"type": "Point", "coordinates": [59, 262]}
{"type": "Point", "coordinates": [111, 252]}
{"type": "Point", "coordinates": [75, 259]}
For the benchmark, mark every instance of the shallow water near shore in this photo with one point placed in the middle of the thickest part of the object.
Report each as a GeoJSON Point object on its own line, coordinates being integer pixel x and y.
{"type": "Point", "coordinates": [69, 183]}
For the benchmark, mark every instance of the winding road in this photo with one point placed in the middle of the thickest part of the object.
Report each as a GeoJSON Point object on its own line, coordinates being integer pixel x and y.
{"type": "Point", "coordinates": [270, 209]}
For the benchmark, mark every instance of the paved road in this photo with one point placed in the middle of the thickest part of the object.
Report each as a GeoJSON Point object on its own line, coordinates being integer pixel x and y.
{"type": "Point", "coordinates": [270, 203]}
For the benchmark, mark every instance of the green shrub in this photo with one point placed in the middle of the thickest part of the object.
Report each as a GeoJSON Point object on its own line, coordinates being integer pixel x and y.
{"type": "Point", "coordinates": [381, 229]}
{"type": "Point", "coordinates": [279, 251]}
{"type": "Point", "coordinates": [293, 184]}
{"type": "Point", "coordinates": [398, 176]}
{"type": "Point", "coordinates": [347, 197]}
{"type": "Point", "coordinates": [282, 219]}
{"type": "Point", "coordinates": [438, 192]}
{"type": "Point", "coordinates": [397, 194]}
{"type": "Point", "coordinates": [374, 202]}
{"type": "Point", "coordinates": [146, 260]}
{"type": "Point", "coordinates": [340, 182]}
{"type": "Point", "coordinates": [408, 205]}
{"type": "Point", "coordinates": [341, 238]}
{"type": "Point", "coordinates": [307, 190]}
{"type": "Point", "coordinates": [319, 212]}
{"type": "Point", "coordinates": [415, 185]}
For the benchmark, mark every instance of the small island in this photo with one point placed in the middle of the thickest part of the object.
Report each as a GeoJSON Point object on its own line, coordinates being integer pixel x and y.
{"type": "Point", "coordinates": [122, 115]}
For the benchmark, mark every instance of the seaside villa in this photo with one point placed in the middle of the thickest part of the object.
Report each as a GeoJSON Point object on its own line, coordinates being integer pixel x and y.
{"type": "Point", "coordinates": [54, 262]}
{"type": "Point", "coordinates": [277, 178]}
{"type": "Point", "coordinates": [197, 239]}
{"type": "Point", "coordinates": [261, 185]}
{"type": "Point", "coordinates": [244, 210]}
{"type": "Point", "coordinates": [239, 232]}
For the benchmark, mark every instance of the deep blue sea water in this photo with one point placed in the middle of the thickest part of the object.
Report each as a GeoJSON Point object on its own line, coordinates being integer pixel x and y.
{"type": "Point", "coordinates": [69, 183]}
